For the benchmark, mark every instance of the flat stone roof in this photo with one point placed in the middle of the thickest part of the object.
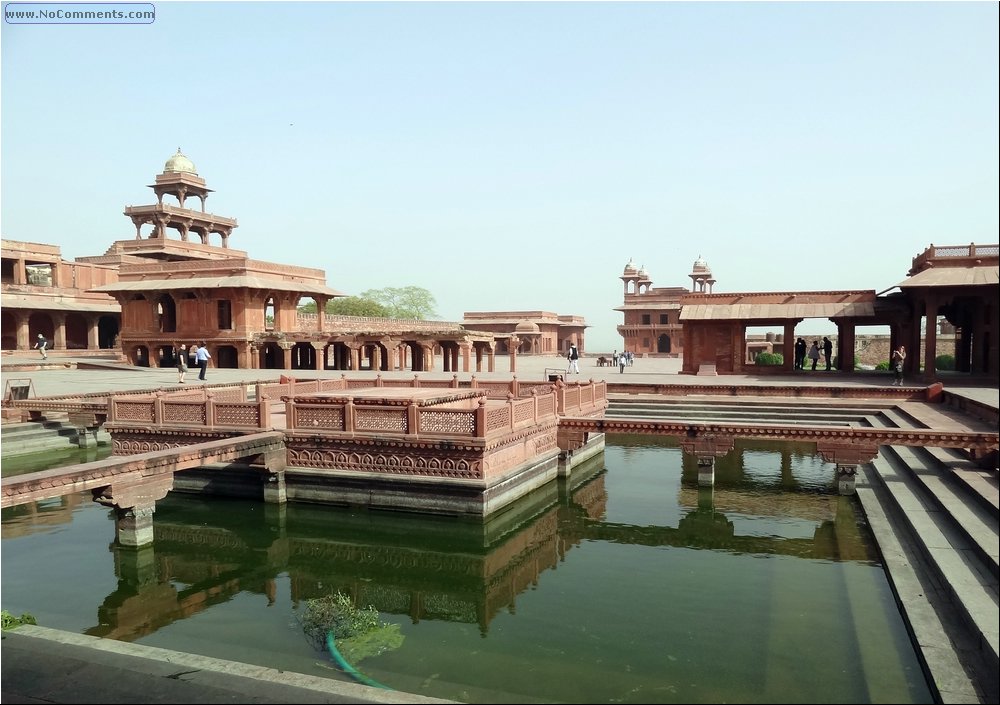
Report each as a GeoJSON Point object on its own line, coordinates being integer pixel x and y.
{"type": "Point", "coordinates": [394, 396]}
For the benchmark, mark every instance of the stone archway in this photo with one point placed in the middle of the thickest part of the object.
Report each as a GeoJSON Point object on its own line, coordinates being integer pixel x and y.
{"type": "Point", "coordinates": [139, 356]}
{"type": "Point", "coordinates": [227, 357]}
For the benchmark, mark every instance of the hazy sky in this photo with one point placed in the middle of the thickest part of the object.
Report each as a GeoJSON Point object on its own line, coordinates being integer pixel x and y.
{"type": "Point", "coordinates": [517, 155]}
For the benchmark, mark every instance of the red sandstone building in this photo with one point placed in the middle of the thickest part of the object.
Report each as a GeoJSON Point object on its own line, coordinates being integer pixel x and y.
{"type": "Point", "coordinates": [652, 314]}
{"type": "Point", "coordinates": [44, 294]}
{"type": "Point", "coordinates": [538, 332]}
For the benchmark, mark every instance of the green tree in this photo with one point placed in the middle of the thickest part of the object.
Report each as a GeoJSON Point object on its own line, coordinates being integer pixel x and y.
{"type": "Point", "coordinates": [356, 306]}
{"type": "Point", "coordinates": [406, 302]}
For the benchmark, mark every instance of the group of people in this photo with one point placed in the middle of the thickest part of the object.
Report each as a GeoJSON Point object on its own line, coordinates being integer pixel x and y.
{"type": "Point", "coordinates": [813, 353]}
{"type": "Point", "coordinates": [198, 356]}
{"type": "Point", "coordinates": [620, 360]}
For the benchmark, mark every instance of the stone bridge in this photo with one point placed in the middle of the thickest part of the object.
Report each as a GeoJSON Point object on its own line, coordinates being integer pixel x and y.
{"type": "Point", "coordinates": [132, 484]}
{"type": "Point", "coordinates": [843, 446]}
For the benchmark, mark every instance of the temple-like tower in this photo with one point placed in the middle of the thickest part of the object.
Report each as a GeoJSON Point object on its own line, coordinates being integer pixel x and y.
{"type": "Point", "coordinates": [701, 277]}
{"type": "Point", "coordinates": [180, 179]}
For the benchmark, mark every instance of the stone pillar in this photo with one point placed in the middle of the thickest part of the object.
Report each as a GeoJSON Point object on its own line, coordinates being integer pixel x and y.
{"type": "Point", "coordinates": [274, 488]}
{"type": "Point", "coordinates": [134, 525]}
{"type": "Point", "coordinates": [319, 353]}
{"type": "Point", "coordinates": [430, 362]}
{"type": "Point", "coordinates": [59, 342]}
{"type": "Point", "coordinates": [355, 356]}
{"type": "Point", "coordinates": [492, 359]}
{"type": "Point", "coordinates": [930, 338]}
{"type": "Point", "coordinates": [23, 332]}
{"type": "Point", "coordinates": [788, 348]}
{"type": "Point", "coordinates": [846, 475]}
{"type": "Point", "coordinates": [845, 346]}
{"type": "Point", "coordinates": [706, 471]}
{"type": "Point", "coordinates": [286, 350]}
{"type": "Point", "coordinates": [512, 345]}
{"type": "Point", "coordinates": [93, 333]}
{"type": "Point", "coordinates": [466, 352]}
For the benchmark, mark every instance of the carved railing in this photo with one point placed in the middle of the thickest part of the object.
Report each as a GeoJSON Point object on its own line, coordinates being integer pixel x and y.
{"type": "Point", "coordinates": [165, 410]}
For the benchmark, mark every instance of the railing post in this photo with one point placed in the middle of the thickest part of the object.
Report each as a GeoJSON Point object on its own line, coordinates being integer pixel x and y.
{"type": "Point", "coordinates": [378, 380]}
{"type": "Point", "coordinates": [510, 408]}
{"type": "Point", "coordinates": [263, 412]}
{"type": "Point", "coordinates": [480, 430]}
{"type": "Point", "coordinates": [515, 386]}
{"type": "Point", "coordinates": [349, 415]}
{"type": "Point", "coordinates": [210, 409]}
{"type": "Point", "coordinates": [415, 382]}
{"type": "Point", "coordinates": [158, 408]}
{"type": "Point", "coordinates": [474, 383]}
{"type": "Point", "coordinates": [291, 413]}
{"type": "Point", "coordinates": [454, 381]}
{"type": "Point", "coordinates": [112, 412]}
{"type": "Point", "coordinates": [412, 419]}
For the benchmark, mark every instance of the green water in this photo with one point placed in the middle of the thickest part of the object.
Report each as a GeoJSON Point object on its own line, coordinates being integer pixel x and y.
{"type": "Point", "coordinates": [627, 583]}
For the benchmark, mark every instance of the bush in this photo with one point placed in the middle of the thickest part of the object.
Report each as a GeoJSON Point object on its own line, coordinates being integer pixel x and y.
{"type": "Point", "coordinates": [882, 366]}
{"type": "Point", "coordinates": [944, 362]}
{"type": "Point", "coordinates": [766, 358]}
{"type": "Point", "coordinates": [835, 362]}
{"type": "Point", "coordinates": [9, 621]}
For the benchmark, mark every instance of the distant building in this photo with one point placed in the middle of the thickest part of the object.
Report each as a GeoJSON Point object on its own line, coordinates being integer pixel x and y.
{"type": "Point", "coordinates": [42, 293]}
{"type": "Point", "coordinates": [537, 332]}
{"type": "Point", "coordinates": [652, 314]}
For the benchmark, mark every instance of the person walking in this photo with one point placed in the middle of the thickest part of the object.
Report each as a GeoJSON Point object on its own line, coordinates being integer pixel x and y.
{"type": "Point", "coordinates": [800, 354]}
{"type": "Point", "coordinates": [814, 354]}
{"type": "Point", "coordinates": [203, 357]}
{"type": "Point", "coordinates": [622, 361]}
{"type": "Point", "coordinates": [827, 352]}
{"type": "Point", "coordinates": [896, 364]}
{"type": "Point", "coordinates": [182, 364]}
{"type": "Point", "coordinates": [41, 344]}
{"type": "Point", "coordinates": [573, 356]}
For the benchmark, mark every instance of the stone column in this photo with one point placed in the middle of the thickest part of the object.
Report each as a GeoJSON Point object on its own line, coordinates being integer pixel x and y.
{"type": "Point", "coordinates": [23, 331]}
{"type": "Point", "coordinates": [286, 355]}
{"type": "Point", "coordinates": [706, 471]}
{"type": "Point", "coordinates": [930, 338]}
{"type": "Point", "coordinates": [321, 312]}
{"type": "Point", "coordinates": [93, 333]}
{"type": "Point", "coordinates": [319, 353]}
{"type": "Point", "coordinates": [492, 358]}
{"type": "Point", "coordinates": [845, 346]}
{"type": "Point", "coordinates": [512, 345]}
{"type": "Point", "coordinates": [355, 350]}
{"type": "Point", "coordinates": [134, 525]}
{"type": "Point", "coordinates": [846, 456]}
{"type": "Point", "coordinates": [59, 342]}
{"type": "Point", "coordinates": [465, 349]}
{"type": "Point", "coordinates": [788, 348]}
{"type": "Point", "coordinates": [430, 362]}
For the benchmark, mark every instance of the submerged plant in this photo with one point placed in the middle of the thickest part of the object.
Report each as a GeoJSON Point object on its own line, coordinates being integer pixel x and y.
{"type": "Point", "coordinates": [357, 632]}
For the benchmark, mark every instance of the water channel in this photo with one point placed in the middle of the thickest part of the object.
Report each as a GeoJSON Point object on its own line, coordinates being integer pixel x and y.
{"type": "Point", "coordinates": [627, 583]}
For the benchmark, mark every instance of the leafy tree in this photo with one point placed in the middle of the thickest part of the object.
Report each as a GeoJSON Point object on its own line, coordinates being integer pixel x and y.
{"type": "Point", "coordinates": [349, 306]}
{"type": "Point", "coordinates": [356, 306]}
{"type": "Point", "coordinates": [406, 302]}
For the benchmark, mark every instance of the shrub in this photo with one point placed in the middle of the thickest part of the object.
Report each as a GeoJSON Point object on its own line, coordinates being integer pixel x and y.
{"type": "Point", "coordinates": [944, 362]}
{"type": "Point", "coordinates": [882, 366]}
{"type": "Point", "coordinates": [9, 621]}
{"type": "Point", "coordinates": [766, 358]}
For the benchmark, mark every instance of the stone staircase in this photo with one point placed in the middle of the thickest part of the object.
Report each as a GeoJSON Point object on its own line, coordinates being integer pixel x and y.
{"type": "Point", "coordinates": [53, 433]}
{"type": "Point", "coordinates": [934, 514]}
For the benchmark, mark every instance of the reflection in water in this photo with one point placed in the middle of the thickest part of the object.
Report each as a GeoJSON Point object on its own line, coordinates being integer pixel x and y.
{"type": "Point", "coordinates": [626, 583]}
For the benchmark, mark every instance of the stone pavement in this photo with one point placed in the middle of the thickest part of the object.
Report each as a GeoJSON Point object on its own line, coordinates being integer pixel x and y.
{"type": "Point", "coordinates": [40, 665]}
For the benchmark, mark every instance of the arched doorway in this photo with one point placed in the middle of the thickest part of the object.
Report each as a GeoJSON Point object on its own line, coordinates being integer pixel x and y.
{"type": "Point", "coordinates": [107, 332]}
{"type": "Point", "coordinates": [272, 357]}
{"type": "Point", "coordinates": [227, 357]}
{"type": "Point", "coordinates": [303, 357]}
{"type": "Point", "coordinates": [663, 343]}
{"type": "Point", "coordinates": [139, 356]}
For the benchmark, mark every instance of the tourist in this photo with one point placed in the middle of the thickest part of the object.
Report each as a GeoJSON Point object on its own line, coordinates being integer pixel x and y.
{"type": "Point", "coordinates": [622, 361]}
{"type": "Point", "coordinates": [574, 360]}
{"type": "Point", "coordinates": [827, 351]}
{"type": "Point", "coordinates": [814, 354]}
{"type": "Point", "coordinates": [896, 365]}
{"type": "Point", "coordinates": [182, 364]}
{"type": "Point", "coordinates": [800, 354]}
{"type": "Point", "coordinates": [41, 344]}
{"type": "Point", "coordinates": [203, 357]}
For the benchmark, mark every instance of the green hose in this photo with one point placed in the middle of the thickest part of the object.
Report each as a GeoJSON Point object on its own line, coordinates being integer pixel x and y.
{"type": "Point", "coordinates": [348, 668]}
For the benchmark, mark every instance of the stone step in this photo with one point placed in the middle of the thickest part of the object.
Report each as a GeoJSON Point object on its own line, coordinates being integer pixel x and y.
{"type": "Point", "coordinates": [34, 437]}
{"type": "Point", "coordinates": [980, 484]}
{"type": "Point", "coordinates": [919, 502]}
{"type": "Point", "coordinates": [973, 520]}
